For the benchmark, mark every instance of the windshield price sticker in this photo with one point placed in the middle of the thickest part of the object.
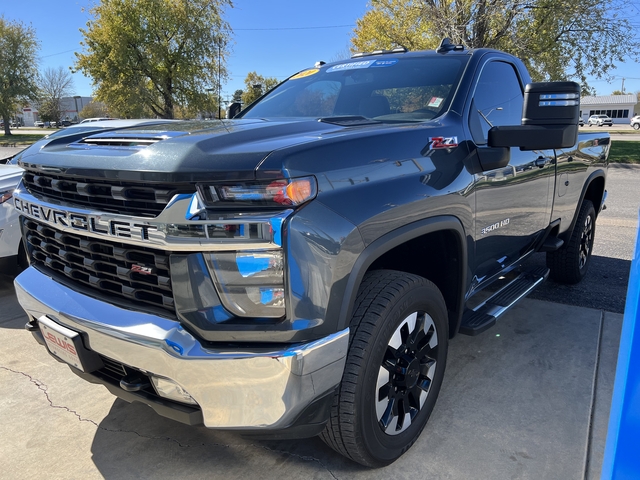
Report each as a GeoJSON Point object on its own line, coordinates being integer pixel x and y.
{"type": "Point", "coordinates": [61, 341]}
{"type": "Point", "coordinates": [435, 102]}
{"type": "Point", "coordinates": [363, 64]}
{"type": "Point", "coordinates": [306, 73]}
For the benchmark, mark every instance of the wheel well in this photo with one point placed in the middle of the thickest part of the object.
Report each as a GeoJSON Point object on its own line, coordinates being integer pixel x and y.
{"type": "Point", "coordinates": [435, 256]}
{"type": "Point", "coordinates": [595, 192]}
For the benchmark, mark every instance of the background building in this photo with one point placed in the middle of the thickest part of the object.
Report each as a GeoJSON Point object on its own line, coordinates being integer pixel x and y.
{"type": "Point", "coordinates": [619, 107]}
{"type": "Point", "coordinates": [71, 108]}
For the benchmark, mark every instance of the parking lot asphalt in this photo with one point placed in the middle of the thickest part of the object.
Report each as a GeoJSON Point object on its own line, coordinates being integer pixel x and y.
{"type": "Point", "coordinates": [529, 398]}
{"type": "Point", "coordinates": [6, 152]}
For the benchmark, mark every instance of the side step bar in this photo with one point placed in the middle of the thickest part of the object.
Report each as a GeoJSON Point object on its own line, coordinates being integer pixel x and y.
{"type": "Point", "coordinates": [485, 315]}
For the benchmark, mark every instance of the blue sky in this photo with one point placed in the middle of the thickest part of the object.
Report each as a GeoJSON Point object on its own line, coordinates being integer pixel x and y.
{"type": "Point", "coordinates": [272, 37]}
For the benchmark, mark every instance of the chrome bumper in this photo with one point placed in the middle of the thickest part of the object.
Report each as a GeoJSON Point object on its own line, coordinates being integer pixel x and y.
{"type": "Point", "coordinates": [235, 388]}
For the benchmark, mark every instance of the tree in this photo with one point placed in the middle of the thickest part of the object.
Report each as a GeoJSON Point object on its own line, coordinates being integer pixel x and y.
{"type": "Point", "coordinates": [237, 96]}
{"type": "Point", "coordinates": [53, 85]}
{"type": "Point", "coordinates": [94, 110]}
{"type": "Point", "coordinates": [18, 67]}
{"type": "Point", "coordinates": [257, 85]}
{"type": "Point", "coordinates": [155, 54]}
{"type": "Point", "coordinates": [557, 39]}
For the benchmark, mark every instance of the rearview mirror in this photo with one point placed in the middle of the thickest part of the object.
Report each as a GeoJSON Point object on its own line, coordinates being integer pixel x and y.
{"type": "Point", "coordinates": [550, 114]}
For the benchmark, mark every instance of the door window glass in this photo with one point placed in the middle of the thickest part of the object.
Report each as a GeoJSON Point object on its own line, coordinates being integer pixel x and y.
{"type": "Point", "coordinates": [497, 100]}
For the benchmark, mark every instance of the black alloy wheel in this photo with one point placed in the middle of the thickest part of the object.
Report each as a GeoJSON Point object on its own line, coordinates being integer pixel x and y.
{"type": "Point", "coordinates": [406, 373]}
{"type": "Point", "coordinates": [586, 241]}
{"type": "Point", "coordinates": [570, 264]}
{"type": "Point", "coordinates": [394, 369]}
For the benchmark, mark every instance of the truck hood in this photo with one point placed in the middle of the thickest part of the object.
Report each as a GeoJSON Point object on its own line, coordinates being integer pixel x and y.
{"type": "Point", "coordinates": [183, 151]}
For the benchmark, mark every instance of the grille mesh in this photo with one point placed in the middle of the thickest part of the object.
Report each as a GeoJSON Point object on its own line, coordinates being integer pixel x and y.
{"type": "Point", "coordinates": [102, 265]}
{"type": "Point", "coordinates": [127, 198]}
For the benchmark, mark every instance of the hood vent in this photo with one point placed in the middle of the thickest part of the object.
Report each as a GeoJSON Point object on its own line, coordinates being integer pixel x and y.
{"type": "Point", "coordinates": [135, 140]}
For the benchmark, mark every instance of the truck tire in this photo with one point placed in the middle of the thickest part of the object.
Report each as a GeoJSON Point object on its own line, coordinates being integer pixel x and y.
{"type": "Point", "coordinates": [570, 263]}
{"type": "Point", "coordinates": [394, 369]}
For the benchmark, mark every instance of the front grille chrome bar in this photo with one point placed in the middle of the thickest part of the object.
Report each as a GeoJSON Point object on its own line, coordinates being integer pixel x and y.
{"type": "Point", "coordinates": [171, 230]}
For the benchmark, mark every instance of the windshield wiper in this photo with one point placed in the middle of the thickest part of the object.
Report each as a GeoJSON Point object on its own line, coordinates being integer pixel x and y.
{"type": "Point", "coordinates": [348, 120]}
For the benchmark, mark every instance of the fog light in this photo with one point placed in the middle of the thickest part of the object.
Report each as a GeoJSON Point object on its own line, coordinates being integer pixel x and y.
{"type": "Point", "coordinates": [167, 388]}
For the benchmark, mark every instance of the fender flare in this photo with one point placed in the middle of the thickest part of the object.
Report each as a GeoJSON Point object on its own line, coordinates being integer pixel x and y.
{"type": "Point", "coordinates": [390, 240]}
{"type": "Point", "coordinates": [597, 174]}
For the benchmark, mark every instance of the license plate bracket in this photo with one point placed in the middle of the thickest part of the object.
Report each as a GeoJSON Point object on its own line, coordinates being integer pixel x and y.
{"type": "Point", "coordinates": [66, 345]}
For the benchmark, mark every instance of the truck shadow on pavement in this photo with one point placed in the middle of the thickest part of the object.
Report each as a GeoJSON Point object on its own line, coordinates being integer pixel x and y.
{"type": "Point", "coordinates": [604, 287]}
{"type": "Point", "coordinates": [132, 441]}
{"type": "Point", "coordinates": [516, 401]}
{"type": "Point", "coordinates": [11, 313]}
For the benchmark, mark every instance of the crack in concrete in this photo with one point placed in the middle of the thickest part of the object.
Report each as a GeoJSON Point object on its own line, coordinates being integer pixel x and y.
{"type": "Point", "coordinates": [306, 458]}
{"type": "Point", "coordinates": [44, 389]}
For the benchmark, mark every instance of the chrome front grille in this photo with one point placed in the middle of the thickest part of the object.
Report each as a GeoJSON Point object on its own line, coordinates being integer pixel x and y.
{"type": "Point", "coordinates": [136, 274]}
{"type": "Point", "coordinates": [107, 195]}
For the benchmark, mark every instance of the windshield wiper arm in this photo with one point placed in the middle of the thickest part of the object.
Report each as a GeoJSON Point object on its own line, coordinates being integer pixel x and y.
{"type": "Point", "coordinates": [349, 120]}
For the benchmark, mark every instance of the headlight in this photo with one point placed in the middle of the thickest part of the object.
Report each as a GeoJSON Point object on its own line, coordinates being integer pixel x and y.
{"type": "Point", "coordinates": [250, 284]}
{"type": "Point", "coordinates": [281, 192]}
{"type": "Point", "coordinates": [6, 195]}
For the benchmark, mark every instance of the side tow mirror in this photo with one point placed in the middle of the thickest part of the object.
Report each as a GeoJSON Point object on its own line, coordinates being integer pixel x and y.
{"type": "Point", "coordinates": [550, 115]}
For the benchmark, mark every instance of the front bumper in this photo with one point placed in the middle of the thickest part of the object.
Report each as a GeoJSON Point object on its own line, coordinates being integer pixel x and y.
{"type": "Point", "coordinates": [237, 388]}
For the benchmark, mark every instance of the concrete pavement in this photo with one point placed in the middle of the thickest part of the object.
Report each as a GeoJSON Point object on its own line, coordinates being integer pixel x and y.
{"type": "Point", "coordinates": [6, 152]}
{"type": "Point", "coordinates": [529, 398]}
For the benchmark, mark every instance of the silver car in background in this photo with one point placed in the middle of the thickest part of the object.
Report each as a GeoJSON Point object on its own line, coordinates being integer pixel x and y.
{"type": "Point", "coordinates": [10, 176]}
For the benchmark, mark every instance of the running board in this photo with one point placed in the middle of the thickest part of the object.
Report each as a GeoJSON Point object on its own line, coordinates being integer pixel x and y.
{"type": "Point", "coordinates": [485, 315]}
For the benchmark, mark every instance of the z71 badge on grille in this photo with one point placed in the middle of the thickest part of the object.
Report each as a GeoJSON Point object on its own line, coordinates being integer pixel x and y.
{"type": "Point", "coordinates": [142, 269]}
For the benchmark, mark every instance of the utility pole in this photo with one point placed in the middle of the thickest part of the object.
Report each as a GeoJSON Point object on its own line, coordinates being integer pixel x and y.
{"type": "Point", "coordinates": [622, 89]}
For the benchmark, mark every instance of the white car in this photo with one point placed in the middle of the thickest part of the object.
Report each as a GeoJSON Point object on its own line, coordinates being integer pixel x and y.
{"type": "Point", "coordinates": [600, 120]}
{"type": "Point", "coordinates": [38, 123]}
{"type": "Point", "coordinates": [98, 119]}
{"type": "Point", "coordinates": [635, 122]}
{"type": "Point", "coordinates": [10, 176]}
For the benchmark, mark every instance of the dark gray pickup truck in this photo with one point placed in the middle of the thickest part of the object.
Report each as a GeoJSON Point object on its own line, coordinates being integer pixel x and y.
{"type": "Point", "coordinates": [301, 268]}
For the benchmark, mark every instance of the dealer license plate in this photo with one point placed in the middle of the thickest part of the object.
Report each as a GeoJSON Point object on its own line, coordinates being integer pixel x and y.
{"type": "Point", "coordinates": [61, 342]}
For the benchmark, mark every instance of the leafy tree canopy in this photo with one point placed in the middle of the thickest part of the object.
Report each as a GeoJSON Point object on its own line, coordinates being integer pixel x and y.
{"type": "Point", "coordinates": [557, 39]}
{"type": "Point", "coordinates": [94, 110]}
{"type": "Point", "coordinates": [18, 67]}
{"type": "Point", "coordinates": [150, 55]}
{"type": "Point", "coordinates": [256, 86]}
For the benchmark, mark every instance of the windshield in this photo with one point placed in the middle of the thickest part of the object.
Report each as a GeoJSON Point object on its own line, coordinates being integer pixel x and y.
{"type": "Point", "coordinates": [385, 89]}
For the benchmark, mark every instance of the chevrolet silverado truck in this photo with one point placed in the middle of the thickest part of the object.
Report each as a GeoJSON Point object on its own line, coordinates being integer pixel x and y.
{"type": "Point", "coordinates": [300, 269]}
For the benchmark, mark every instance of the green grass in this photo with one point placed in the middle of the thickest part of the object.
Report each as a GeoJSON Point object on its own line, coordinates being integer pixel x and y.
{"type": "Point", "coordinates": [10, 140]}
{"type": "Point", "coordinates": [624, 152]}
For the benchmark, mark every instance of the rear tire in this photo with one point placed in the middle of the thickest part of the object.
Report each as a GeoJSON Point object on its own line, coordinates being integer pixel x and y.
{"type": "Point", "coordinates": [570, 263]}
{"type": "Point", "coordinates": [394, 369]}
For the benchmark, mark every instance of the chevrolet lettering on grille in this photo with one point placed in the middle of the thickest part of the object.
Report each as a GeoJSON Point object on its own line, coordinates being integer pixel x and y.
{"type": "Point", "coordinates": [83, 222]}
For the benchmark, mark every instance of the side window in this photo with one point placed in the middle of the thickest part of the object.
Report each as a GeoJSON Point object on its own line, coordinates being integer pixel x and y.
{"type": "Point", "coordinates": [498, 97]}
